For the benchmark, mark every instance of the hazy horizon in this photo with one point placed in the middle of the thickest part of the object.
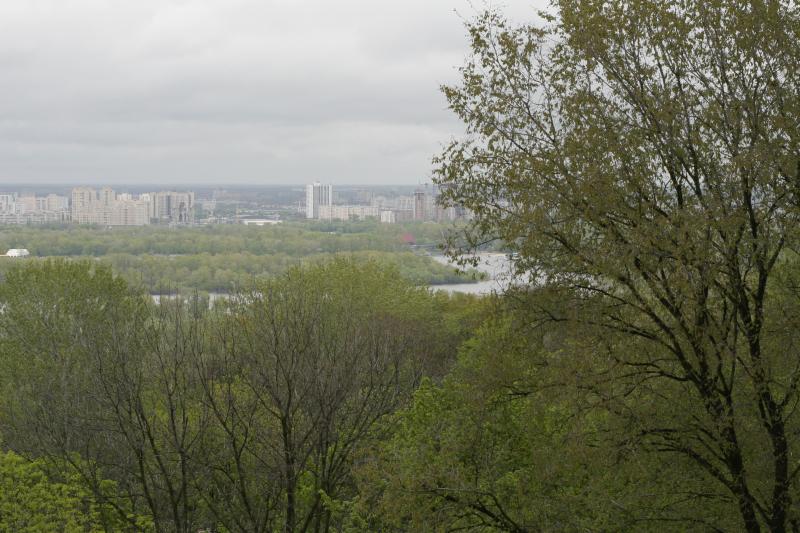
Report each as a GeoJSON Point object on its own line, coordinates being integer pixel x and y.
{"type": "Point", "coordinates": [122, 186]}
{"type": "Point", "coordinates": [217, 92]}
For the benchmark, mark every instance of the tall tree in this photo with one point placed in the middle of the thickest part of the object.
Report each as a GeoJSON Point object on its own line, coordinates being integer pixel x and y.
{"type": "Point", "coordinates": [306, 367]}
{"type": "Point", "coordinates": [641, 158]}
{"type": "Point", "coordinates": [96, 376]}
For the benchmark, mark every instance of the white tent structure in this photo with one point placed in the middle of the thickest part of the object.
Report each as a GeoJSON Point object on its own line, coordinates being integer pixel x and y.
{"type": "Point", "coordinates": [18, 252]}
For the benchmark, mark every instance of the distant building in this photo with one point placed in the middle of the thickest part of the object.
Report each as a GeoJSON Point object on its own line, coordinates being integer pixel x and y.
{"type": "Point", "coordinates": [420, 205]}
{"type": "Point", "coordinates": [8, 203]}
{"type": "Point", "coordinates": [172, 207]}
{"type": "Point", "coordinates": [130, 213]}
{"type": "Point", "coordinates": [83, 205]}
{"type": "Point", "coordinates": [395, 216]}
{"type": "Point", "coordinates": [428, 205]}
{"type": "Point", "coordinates": [348, 212]}
{"type": "Point", "coordinates": [396, 202]}
{"type": "Point", "coordinates": [317, 197]}
{"type": "Point", "coordinates": [26, 204]}
{"type": "Point", "coordinates": [107, 196]}
{"type": "Point", "coordinates": [107, 208]}
{"type": "Point", "coordinates": [54, 202]}
{"type": "Point", "coordinates": [30, 209]}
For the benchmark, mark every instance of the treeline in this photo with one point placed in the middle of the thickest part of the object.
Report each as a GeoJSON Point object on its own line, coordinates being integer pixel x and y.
{"type": "Point", "coordinates": [225, 272]}
{"type": "Point", "coordinates": [220, 258]}
{"type": "Point", "coordinates": [297, 239]}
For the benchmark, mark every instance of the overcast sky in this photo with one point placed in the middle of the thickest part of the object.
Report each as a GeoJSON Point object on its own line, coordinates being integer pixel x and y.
{"type": "Point", "coordinates": [228, 91]}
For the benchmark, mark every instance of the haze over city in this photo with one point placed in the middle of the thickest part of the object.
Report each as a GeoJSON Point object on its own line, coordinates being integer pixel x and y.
{"type": "Point", "coordinates": [228, 92]}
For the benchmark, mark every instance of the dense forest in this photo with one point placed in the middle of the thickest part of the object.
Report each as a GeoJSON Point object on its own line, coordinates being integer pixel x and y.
{"type": "Point", "coordinates": [639, 162]}
{"type": "Point", "coordinates": [249, 416]}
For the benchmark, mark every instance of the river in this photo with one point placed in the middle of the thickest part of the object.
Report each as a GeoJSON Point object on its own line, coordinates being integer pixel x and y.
{"type": "Point", "coordinates": [497, 266]}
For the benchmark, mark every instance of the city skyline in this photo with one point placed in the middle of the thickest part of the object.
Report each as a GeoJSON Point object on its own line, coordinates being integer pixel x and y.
{"type": "Point", "coordinates": [107, 207]}
{"type": "Point", "coordinates": [229, 92]}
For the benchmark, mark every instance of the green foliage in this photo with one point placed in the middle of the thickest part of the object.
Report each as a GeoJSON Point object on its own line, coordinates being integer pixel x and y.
{"type": "Point", "coordinates": [294, 239]}
{"type": "Point", "coordinates": [640, 159]}
{"type": "Point", "coordinates": [508, 442]}
{"type": "Point", "coordinates": [31, 502]}
{"type": "Point", "coordinates": [242, 417]}
{"type": "Point", "coordinates": [221, 258]}
{"type": "Point", "coordinates": [478, 451]}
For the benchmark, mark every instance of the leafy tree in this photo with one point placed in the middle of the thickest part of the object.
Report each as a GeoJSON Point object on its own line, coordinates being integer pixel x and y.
{"type": "Point", "coordinates": [641, 160]}
{"type": "Point", "coordinates": [31, 502]}
{"type": "Point", "coordinates": [506, 443]}
{"type": "Point", "coordinates": [97, 377]}
{"type": "Point", "coordinates": [307, 367]}
{"type": "Point", "coordinates": [245, 417]}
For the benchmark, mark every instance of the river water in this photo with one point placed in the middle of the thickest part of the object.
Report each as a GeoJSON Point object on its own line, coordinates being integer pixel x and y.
{"type": "Point", "coordinates": [496, 266]}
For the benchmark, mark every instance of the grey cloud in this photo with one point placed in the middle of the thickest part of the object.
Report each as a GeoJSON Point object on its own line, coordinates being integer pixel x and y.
{"type": "Point", "coordinates": [249, 91]}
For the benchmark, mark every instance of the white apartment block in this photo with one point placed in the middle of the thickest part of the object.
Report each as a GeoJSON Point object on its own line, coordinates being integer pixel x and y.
{"type": "Point", "coordinates": [26, 204]}
{"type": "Point", "coordinates": [8, 203]}
{"type": "Point", "coordinates": [171, 206]}
{"type": "Point", "coordinates": [31, 209]}
{"type": "Point", "coordinates": [318, 196]}
{"type": "Point", "coordinates": [54, 202]}
{"type": "Point", "coordinates": [347, 212]}
{"type": "Point", "coordinates": [107, 208]}
{"type": "Point", "coordinates": [394, 216]}
{"type": "Point", "coordinates": [83, 205]}
{"type": "Point", "coordinates": [131, 213]}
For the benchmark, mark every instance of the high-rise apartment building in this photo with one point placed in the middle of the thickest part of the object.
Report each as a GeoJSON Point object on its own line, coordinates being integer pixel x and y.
{"type": "Point", "coordinates": [420, 205]}
{"type": "Point", "coordinates": [130, 213]}
{"type": "Point", "coordinates": [8, 203]}
{"type": "Point", "coordinates": [107, 208]}
{"type": "Point", "coordinates": [318, 195]}
{"type": "Point", "coordinates": [348, 212]}
{"type": "Point", "coordinates": [26, 204]}
{"type": "Point", "coordinates": [107, 196]}
{"type": "Point", "coordinates": [84, 203]}
{"type": "Point", "coordinates": [172, 207]}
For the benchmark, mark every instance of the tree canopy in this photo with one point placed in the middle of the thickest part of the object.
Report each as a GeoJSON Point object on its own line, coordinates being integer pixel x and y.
{"type": "Point", "coordinates": [641, 160]}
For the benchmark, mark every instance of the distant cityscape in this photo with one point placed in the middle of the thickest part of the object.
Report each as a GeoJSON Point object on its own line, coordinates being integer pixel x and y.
{"type": "Point", "coordinates": [422, 206]}
{"type": "Point", "coordinates": [106, 207]}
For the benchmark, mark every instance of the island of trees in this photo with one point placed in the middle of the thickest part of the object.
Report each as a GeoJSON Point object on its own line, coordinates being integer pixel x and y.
{"type": "Point", "coordinates": [219, 258]}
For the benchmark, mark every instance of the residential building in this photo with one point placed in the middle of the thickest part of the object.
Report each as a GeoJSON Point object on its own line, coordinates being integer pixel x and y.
{"type": "Point", "coordinates": [347, 212]}
{"type": "Point", "coordinates": [130, 213]}
{"type": "Point", "coordinates": [26, 204]}
{"type": "Point", "coordinates": [83, 205]}
{"type": "Point", "coordinates": [8, 202]}
{"type": "Point", "coordinates": [54, 202]}
{"type": "Point", "coordinates": [317, 197]}
{"type": "Point", "coordinates": [172, 207]}
{"type": "Point", "coordinates": [420, 205]}
{"type": "Point", "coordinates": [110, 209]}
{"type": "Point", "coordinates": [395, 216]}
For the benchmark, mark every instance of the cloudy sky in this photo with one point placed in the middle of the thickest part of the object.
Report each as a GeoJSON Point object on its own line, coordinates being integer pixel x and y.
{"type": "Point", "coordinates": [228, 91]}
